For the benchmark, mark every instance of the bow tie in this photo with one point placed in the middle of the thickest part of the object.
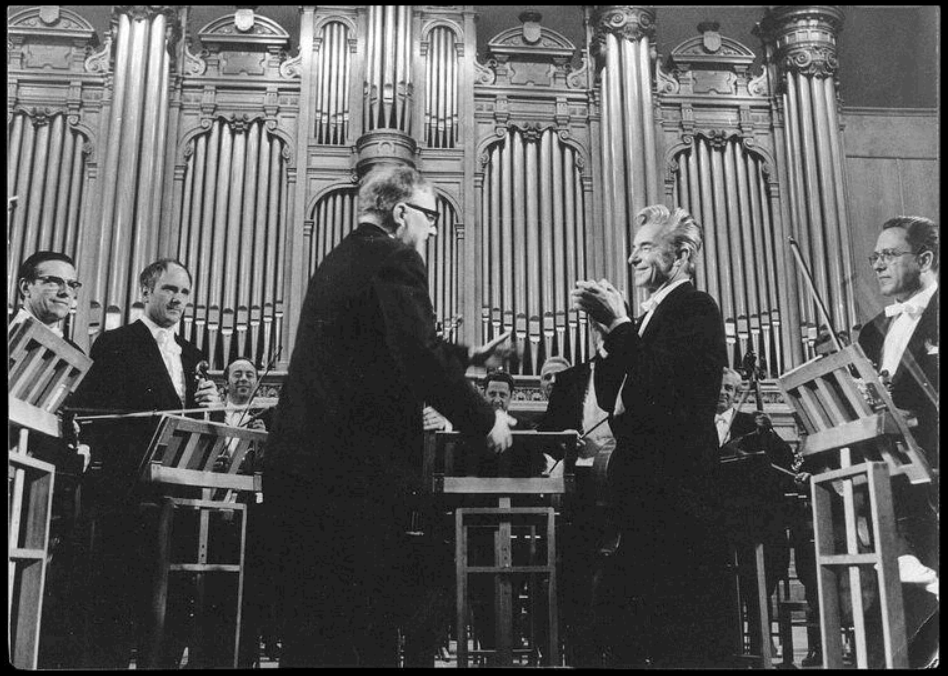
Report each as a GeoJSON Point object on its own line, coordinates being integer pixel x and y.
{"type": "Point", "coordinates": [908, 308]}
{"type": "Point", "coordinates": [648, 304]}
{"type": "Point", "coordinates": [720, 418]}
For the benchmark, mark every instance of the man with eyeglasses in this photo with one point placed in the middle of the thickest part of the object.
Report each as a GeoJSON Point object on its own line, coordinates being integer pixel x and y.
{"type": "Point", "coordinates": [903, 343]}
{"type": "Point", "coordinates": [345, 451]}
{"type": "Point", "coordinates": [47, 287]}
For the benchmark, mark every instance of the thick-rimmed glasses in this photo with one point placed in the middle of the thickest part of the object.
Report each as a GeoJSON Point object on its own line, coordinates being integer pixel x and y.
{"type": "Point", "coordinates": [430, 213]}
{"type": "Point", "coordinates": [886, 256]}
{"type": "Point", "coordinates": [53, 282]}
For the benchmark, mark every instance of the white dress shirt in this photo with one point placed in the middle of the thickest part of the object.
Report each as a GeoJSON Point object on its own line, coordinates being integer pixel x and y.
{"type": "Point", "coordinates": [723, 422]}
{"type": "Point", "coordinates": [905, 318]}
{"type": "Point", "coordinates": [170, 354]}
{"type": "Point", "coordinates": [602, 436]}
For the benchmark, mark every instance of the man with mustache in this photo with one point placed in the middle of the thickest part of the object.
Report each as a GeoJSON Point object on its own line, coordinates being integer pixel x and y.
{"type": "Point", "coordinates": [143, 366]}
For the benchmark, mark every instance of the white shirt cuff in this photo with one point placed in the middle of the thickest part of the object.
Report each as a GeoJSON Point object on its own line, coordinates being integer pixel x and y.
{"type": "Point", "coordinates": [616, 322]}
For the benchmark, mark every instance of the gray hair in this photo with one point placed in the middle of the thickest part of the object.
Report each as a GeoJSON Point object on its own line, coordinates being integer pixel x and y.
{"type": "Point", "coordinates": [150, 274]}
{"type": "Point", "coordinates": [731, 374]}
{"type": "Point", "coordinates": [679, 228]}
{"type": "Point", "coordinates": [384, 187]}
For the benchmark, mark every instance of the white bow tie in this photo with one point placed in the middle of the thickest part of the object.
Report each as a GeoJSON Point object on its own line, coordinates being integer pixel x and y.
{"type": "Point", "coordinates": [720, 418]}
{"type": "Point", "coordinates": [908, 308]}
{"type": "Point", "coordinates": [648, 304]}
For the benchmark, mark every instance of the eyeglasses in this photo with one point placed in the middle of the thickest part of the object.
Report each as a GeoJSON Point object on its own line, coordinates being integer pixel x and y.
{"type": "Point", "coordinates": [887, 256]}
{"type": "Point", "coordinates": [430, 213]}
{"type": "Point", "coordinates": [52, 282]}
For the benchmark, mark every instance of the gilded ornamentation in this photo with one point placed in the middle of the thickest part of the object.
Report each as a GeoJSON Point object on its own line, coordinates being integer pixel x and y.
{"type": "Point", "coordinates": [99, 62]}
{"type": "Point", "coordinates": [579, 78]}
{"type": "Point", "coordinates": [194, 64]}
{"type": "Point", "coordinates": [292, 68]}
{"type": "Point", "coordinates": [485, 74]}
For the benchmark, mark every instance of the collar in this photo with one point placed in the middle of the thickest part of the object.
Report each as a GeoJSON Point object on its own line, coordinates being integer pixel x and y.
{"type": "Point", "coordinates": [727, 415]}
{"type": "Point", "coordinates": [23, 313]}
{"type": "Point", "coordinates": [653, 301]}
{"type": "Point", "coordinates": [370, 224]}
{"type": "Point", "coordinates": [156, 330]}
{"type": "Point", "coordinates": [914, 306]}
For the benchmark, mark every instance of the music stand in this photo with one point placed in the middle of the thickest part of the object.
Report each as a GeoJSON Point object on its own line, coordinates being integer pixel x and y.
{"type": "Point", "coordinates": [43, 370]}
{"type": "Point", "coordinates": [843, 406]}
{"type": "Point", "coordinates": [447, 471]}
{"type": "Point", "coordinates": [195, 454]}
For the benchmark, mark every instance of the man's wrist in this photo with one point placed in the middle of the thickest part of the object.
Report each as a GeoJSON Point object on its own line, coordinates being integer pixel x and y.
{"type": "Point", "coordinates": [616, 322]}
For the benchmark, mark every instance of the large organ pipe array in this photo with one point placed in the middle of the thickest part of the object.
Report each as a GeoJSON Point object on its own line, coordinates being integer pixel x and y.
{"type": "Point", "coordinates": [441, 83]}
{"type": "Point", "coordinates": [532, 211]}
{"type": "Point", "coordinates": [723, 186]}
{"type": "Point", "coordinates": [133, 164]}
{"type": "Point", "coordinates": [232, 240]}
{"type": "Point", "coordinates": [388, 88]}
{"type": "Point", "coordinates": [331, 114]}
{"type": "Point", "coordinates": [45, 172]}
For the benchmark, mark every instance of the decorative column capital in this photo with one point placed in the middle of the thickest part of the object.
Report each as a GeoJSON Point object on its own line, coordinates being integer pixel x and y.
{"type": "Point", "coordinates": [147, 12]}
{"type": "Point", "coordinates": [632, 22]}
{"type": "Point", "coordinates": [803, 38]}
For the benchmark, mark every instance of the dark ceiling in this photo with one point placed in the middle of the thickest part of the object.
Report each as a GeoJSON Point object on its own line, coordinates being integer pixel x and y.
{"type": "Point", "coordinates": [889, 54]}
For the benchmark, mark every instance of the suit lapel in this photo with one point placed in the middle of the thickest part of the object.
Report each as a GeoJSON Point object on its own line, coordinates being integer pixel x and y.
{"type": "Point", "coordinates": [925, 330]}
{"type": "Point", "coordinates": [667, 304]}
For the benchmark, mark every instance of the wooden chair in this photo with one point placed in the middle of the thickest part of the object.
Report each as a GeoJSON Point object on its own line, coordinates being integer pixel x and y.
{"type": "Point", "coordinates": [442, 466]}
{"type": "Point", "coordinates": [843, 406]}
{"type": "Point", "coordinates": [199, 458]}
{"type": "Point", "coordinates": [43, 370]}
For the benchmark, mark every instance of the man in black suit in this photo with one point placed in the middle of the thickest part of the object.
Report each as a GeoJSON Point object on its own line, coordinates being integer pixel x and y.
{"type": "Point", "coordinates": [755, 495]}
{"type": "Point", "coordinates": [47, 285]}
{"type": "Point", "coordinates": [345, 451]}
{"type": "Point", "coordinates": [661, 380]}
{"type": "Point", "coordinates": [902, 341]}
{"type": "Point", "coordinates": [143, 366]}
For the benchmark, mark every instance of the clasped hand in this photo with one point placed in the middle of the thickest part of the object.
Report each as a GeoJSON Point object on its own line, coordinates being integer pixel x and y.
{"type": "Point", "coordinates": [600, 300]}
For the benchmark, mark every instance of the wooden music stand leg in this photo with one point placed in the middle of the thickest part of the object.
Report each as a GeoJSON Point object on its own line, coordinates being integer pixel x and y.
{"type": "Point", "coordinates": [552, 610]}
{"type": "Point", "coordinates": [460, 558]}
{"type": "Point", "coordinates": [159, 603]}
{"type": "Point", "coordinates": [503, 588]}
{"type": "Point", "coordinates": [763, 608]}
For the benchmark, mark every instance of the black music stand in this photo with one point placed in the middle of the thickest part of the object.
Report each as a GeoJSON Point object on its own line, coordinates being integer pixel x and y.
{"type": "Point", "coordinates": [449, 469]}
{"type": "Point", "coordinates": [210, 458]}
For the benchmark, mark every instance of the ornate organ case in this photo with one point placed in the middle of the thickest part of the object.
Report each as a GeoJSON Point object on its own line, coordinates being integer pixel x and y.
{"type": "Point", "coordinates": [212, 140]}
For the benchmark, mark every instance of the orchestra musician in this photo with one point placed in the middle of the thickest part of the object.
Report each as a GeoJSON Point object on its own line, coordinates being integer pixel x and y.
{"type": "Point", "coordinates": [47, 285]}
{"type": "Point", "coordinates": [660, 380]}
{"type": "Point", "coordinates": [902, 341]}
{"type": "Point", "coordinates": [344, 454]}
{"type": "Point", "coordinates": [143, 366]}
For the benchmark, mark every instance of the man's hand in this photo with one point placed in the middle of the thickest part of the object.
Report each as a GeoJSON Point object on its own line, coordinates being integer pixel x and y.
{"type": "Point", "coordinates": [499, 438]}
{"type": "Point", "coordinates": [763, 421]}
{"type": "Point", "coordinates": [494, 353]}
{"type": "Point", "coordinates": [802, 478]}
{"type": "Point", "coordinates": [256, 424]}
{"type": "Point", "coordinates": [600, 300]}
{"type": "Point", "coordinates": [207, 394]}
{"type": "Point", "coordinates": [434, 420]}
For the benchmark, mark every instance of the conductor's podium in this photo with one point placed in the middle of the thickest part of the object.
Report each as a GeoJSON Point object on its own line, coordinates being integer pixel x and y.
{"type": "Point", "coordinates": [215, 464]}
{"type": "Point", "coordinates": [454, 465]}
{"type": "Point", "coordinates": [43, 370]}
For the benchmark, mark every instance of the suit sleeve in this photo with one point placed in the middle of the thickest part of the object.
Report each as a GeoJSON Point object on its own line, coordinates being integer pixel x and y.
{"type": "Point", "coordinates": [434, 368]}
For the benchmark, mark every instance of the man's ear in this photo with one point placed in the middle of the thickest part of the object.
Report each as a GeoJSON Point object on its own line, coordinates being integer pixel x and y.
{"type": "Point", "coordinates": [926, 259]}
{"type": "Point", "coordinates": [21, 285]}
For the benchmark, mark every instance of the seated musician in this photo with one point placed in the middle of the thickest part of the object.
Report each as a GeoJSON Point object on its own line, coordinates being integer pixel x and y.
{"type": "Point", "coordinates": [548, 372]}
{"type": "Point", "coordinates": [573, 405]}
{"type": "Point", "coordinates": [143, 366]}
{"type": "Point", "coordinates": [902, 341]}
{"type": "Point", "coordinates": [756, 500]}
{"type": "Point", "coordinates": [47, 285]}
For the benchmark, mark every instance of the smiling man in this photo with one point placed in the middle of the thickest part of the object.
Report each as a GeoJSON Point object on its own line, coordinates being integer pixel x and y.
{"type": "Point", "coordinates": [47, 285]}
{"type": "Point", "coordinates": [903, 342]}
{"type": "Point", "coordinates": [143, 366]}
{"type": "Point", "coordinates": [660, 381]}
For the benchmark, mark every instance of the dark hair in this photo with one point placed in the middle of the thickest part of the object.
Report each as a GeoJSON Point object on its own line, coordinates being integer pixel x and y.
{"type": "Point", "coordinates": [150, 274]}
{"type": "Point", "coordinates": [28, 267]}
{"type": "Point", "coordinates": [920, 232]}
{"type": "Point", "coordinates": [256, 371]}
{"type": "Point", "coordinates": [501, 376]}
